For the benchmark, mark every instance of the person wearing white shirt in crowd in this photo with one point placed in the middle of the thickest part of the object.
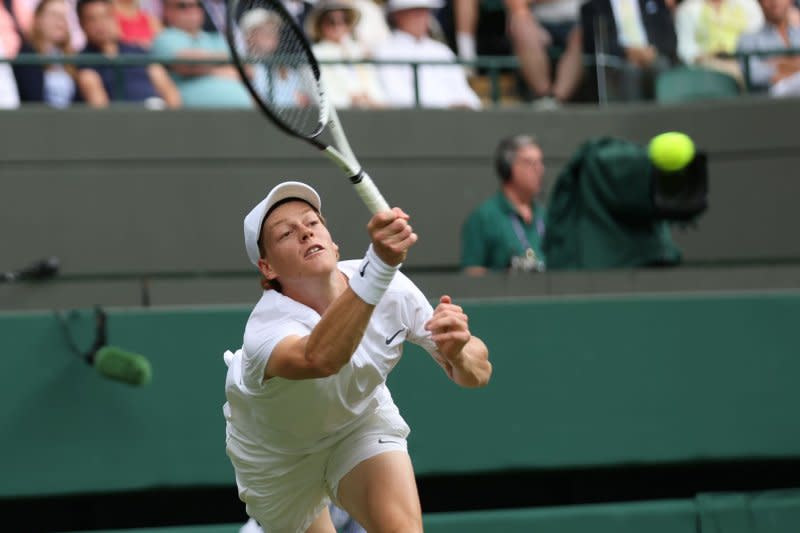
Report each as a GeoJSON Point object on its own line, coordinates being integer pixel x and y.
{"type": "Point", "coordinates": [439, 86]}
{"type": "Point", "coordinates": [371, 29]}
{"type": "Point", "coordinates": [330, 25]}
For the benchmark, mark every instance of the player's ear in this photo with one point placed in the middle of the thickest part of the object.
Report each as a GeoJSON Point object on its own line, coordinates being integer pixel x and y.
{"type": "Point", "coordinates": [266, 269]}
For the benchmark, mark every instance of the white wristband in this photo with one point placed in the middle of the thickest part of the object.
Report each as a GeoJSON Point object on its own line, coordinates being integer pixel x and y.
{"type": "Point", "coordinates": [372, 278]}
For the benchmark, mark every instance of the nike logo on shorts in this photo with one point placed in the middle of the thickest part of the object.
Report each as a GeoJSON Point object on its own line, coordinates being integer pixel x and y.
{"type": "Point", "coordinates": [363, 268]}
{"type": "Point", "coordinates": [396, 333]}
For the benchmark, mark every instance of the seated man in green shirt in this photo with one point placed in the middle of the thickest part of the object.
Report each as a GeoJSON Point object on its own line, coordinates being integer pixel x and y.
{"type": "Point", "coordinates": [610, 207]}
{"type": "Point", "coordinates": [505, 232]}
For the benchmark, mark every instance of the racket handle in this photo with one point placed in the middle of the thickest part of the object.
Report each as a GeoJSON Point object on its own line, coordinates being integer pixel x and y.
{"type": "Point", "coordinates": [369, 193]}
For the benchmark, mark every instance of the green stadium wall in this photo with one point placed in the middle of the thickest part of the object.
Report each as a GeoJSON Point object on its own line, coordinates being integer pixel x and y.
{"type": "Point", "coordinates": [577, 382]}
{"type": "Point", "coordinates": [146, 208]}
{"type": "Point", "coordinates": [128, 191]}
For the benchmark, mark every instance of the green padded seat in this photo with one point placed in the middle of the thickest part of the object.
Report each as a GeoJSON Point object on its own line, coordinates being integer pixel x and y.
{"type": "Point", "coordinates": [686, 84]}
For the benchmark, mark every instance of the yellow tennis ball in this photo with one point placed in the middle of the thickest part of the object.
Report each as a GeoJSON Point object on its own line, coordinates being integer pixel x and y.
{"type": "Point", "coordinates": [671, 151]}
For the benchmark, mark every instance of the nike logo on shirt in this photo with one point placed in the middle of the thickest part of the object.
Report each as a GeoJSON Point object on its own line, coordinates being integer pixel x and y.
{"type": "Point", "coordinates": [363, 268]}
{"type": "Point", "coordinates": [396, 333]}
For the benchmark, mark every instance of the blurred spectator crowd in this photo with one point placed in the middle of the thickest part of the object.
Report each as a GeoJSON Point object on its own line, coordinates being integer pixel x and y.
{"type": "Point", "coordinates": [566, 50]}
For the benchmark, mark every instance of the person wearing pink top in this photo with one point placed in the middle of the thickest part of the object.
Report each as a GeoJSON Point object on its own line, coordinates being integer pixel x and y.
{"type": "Point", "coordinates": [136, 26]}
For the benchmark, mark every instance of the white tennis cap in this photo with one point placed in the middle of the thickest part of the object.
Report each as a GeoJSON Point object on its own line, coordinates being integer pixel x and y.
{"type": "Point", "coordinates": [399, 5]}
{"type": "Point", "coordinates": [255, 218]}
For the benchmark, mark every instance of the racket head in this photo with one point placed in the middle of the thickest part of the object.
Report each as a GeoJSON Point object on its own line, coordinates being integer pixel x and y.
{"type": "Point", "coordinates": [277, 65]}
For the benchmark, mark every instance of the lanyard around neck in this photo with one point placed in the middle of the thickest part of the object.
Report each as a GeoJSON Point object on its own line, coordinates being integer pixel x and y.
{"type": "Point", "coordinates": [520, 231]}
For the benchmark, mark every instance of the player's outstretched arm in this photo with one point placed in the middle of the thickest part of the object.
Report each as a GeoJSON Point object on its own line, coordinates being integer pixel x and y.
{"type": "Point", "coordinates": [337, 335]}
{"type": "Point", "coordinates": [466, 357]}
{"type": "Point", "coordinates": [329, 346]}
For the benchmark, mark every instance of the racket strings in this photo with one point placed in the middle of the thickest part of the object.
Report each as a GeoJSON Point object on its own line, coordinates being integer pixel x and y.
{"type": "Point", "coordinates": [279, 66]}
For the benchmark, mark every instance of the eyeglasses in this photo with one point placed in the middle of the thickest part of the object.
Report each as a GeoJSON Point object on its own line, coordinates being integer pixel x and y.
{"type": "Point", "coordinates": [185, 5]}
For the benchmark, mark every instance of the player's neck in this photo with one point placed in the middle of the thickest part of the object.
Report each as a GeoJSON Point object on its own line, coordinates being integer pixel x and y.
{"type": "Point", "coordinates": [317, 293]}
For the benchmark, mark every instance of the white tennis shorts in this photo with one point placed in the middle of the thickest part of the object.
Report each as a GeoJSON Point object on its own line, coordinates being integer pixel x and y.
{"type": "Point", "coordinates": [286, 492]}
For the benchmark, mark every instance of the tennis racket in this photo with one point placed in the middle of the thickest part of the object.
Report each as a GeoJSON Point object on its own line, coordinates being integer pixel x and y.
{"type": "Point", "coordinates": [276, 64]}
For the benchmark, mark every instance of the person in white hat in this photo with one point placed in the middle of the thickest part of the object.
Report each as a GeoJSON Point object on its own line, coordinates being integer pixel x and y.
{"type": "Point", "coordinates": [330, 26]}
{"type": "Point", "coordinates": [439, 86]}
{"type": "Point", "coordinates": [309, 418]}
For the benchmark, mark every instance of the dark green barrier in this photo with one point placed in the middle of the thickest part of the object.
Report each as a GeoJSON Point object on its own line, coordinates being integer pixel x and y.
{"type": "Point", "coordinates": [577, 382]}
{"type": "Point", "coordinates": [215, 528]}
{"type": "Point", "coordinates": [673, 516]}
{"type": "Point", "coordinates": [768, 512]}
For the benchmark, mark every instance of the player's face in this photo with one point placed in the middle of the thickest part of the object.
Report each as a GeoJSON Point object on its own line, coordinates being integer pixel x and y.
{"type": "Point", "coordinates": [528, 170]}
{"type": "Point", "coordinates": [297, 243]}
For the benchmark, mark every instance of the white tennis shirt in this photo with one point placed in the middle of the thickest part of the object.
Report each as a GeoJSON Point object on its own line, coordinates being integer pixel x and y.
{"type": "Point", "coordinates": [304, 416]}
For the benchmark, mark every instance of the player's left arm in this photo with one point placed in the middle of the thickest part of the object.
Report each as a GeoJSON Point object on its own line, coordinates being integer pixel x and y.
{"type": "Point", "coordinates": [466, 357]}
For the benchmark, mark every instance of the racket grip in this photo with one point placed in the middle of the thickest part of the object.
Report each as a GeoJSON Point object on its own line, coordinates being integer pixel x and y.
{"type": "Point", "coordinates": [369, 193]}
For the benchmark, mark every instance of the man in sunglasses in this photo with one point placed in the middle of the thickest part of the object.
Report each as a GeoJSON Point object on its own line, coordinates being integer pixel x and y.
{"type": "Point", "coordinates": [200, 85]}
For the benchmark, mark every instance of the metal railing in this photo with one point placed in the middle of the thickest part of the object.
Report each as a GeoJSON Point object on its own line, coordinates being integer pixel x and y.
{"type": "Point", "coordinates": [744, 59]}
{"type": "Point", "coordinates": [493, 66]}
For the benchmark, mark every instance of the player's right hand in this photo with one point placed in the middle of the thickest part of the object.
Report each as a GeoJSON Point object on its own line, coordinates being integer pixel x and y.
{"type": "Point", "coordinates": [391, 235]}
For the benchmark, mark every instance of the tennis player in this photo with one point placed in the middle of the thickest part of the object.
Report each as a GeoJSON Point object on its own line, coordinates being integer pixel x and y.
{"type": "Point", "coordinates": [309, 416]}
